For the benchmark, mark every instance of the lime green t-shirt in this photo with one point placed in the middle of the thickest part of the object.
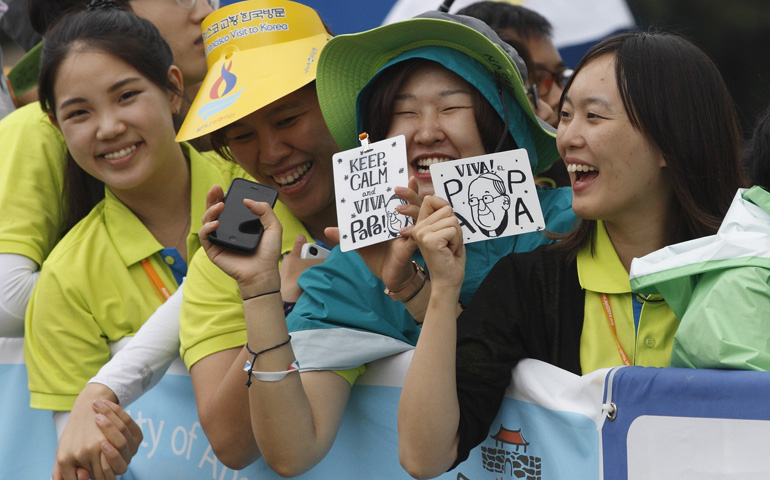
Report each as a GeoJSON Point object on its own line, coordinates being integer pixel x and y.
{"type": "Point", "coordinates": [31, 177]}
{"type": "Point", "coordinates": [93, 290]}
{"type": "Point", "coordinates": [603, 272]}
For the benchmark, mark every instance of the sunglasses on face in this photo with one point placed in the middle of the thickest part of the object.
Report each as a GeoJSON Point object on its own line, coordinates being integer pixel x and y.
{"type": "Point", "coordinates": [545, 79]}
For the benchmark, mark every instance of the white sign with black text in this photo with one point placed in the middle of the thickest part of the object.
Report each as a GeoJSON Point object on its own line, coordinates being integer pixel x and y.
{"type": "Point", "coordinates": [492, 195]}
{"type": "Point", "coordinates": [364, 182]}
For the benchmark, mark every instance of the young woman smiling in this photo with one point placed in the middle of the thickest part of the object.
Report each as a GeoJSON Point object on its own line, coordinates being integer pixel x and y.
{"type": "Point", "coordinates": [108, 83]}
{"type": "Point", "coordinates": [653, 160]}
{"type": "Point", "coordinates": [33, 170]}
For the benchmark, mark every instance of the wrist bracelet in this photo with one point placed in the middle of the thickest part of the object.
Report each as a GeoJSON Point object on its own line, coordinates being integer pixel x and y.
{"type": "Point", "coordinates": [261, 295]}
{"type": "Point", "coordinates": [417, 282]}
{"type": "Point", "coordinates": [250, 364]}
{"type": "Point", "coordinates": [271, 376]}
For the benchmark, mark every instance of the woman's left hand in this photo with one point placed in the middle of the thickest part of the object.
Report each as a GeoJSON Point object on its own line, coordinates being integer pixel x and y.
{"type": "Point", "coordinates": [391, 261]}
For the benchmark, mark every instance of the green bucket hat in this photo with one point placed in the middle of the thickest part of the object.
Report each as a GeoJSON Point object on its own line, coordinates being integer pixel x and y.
{"type": "Point", "coordinates": [23, 76]}
{"type": "Point", "coordinates": [348, 62]}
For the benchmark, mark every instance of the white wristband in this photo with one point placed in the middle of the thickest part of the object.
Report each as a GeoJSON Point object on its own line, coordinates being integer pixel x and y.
{"type": "Point", "coordinates": [271, 376]}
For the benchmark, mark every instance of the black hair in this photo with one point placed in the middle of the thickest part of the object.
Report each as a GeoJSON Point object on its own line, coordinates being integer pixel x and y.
{"type": "Point", "coordinates": [756, 154]}
{"type": "Point", "coordinates": [675, 96]}
{"type": "Point", "coordinates": [44, 13]}
{"type": "Point", "coordinates": [121, 34]}
{"type": "Point", "coordinates": [503, 16]}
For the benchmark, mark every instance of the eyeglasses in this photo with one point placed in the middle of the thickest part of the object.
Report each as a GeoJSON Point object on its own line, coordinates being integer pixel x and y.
{"type": "Point", "coordinates": [189, 4]}
{"type": "Point", "coordinates": [487, 199]}
{"type": "Point", "coordinates": [546, 78]}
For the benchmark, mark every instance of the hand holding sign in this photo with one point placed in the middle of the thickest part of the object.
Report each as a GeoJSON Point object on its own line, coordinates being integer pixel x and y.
{"type": "Point", "coordinates": [492, 195]}
{"type": "Point", "coordinates": [440, 239]}
{"type": "Point", "coordinates": [391, 261]}
{"type": "Point", "coordinates": [364, 181]}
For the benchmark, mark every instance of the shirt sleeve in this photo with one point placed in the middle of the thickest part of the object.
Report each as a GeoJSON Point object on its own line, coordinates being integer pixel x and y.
{"type": "Point", "coordinates": [211, 317]}
{"type": "Point", "coordinates": [724, 326]}
{"type": "Point", "coordinates": [63, 344]}
{"type": "Point", "coordinates": [343, 317]}
{"type": "Point", "coordinates": [31, 178]}
{"type": "Point", "coordinates": [16, 285]}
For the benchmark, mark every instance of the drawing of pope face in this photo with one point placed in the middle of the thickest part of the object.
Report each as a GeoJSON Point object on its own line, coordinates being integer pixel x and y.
{"type": "Point", "coordinates": [395, 220]}
{"type": "Point", "coordinates": [489, 204]}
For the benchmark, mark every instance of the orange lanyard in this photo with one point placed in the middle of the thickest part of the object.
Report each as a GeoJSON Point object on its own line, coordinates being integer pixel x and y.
{"type": "Point", "coordinates": [611, 320]}
{"type": "Point", "coordinates": [160, 287]}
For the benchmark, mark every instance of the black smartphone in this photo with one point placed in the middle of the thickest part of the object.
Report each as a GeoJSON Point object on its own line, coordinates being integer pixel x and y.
{"type": "Point", "coordinates": [239, 229]}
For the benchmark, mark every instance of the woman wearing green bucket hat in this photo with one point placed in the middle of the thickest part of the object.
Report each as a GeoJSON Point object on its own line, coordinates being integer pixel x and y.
{"type": "Point", "coordinates": [343, 319]}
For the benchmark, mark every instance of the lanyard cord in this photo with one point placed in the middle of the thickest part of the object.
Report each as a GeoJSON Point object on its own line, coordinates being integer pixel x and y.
{"type": "Point", "coordinates": [160, 287]}
{"type": "Point", "coordinates": [611, 321]}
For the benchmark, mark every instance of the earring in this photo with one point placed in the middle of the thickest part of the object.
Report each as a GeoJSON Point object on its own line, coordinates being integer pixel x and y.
{"type": "Point", "coordinates": [176, 110]}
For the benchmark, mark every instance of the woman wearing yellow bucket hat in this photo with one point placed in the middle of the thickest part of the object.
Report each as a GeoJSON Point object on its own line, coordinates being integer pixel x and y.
{"type": "Point", "coordinates": [343, 319]}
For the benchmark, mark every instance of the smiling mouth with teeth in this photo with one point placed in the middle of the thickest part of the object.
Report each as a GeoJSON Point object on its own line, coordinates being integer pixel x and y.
{"type": "Point", "coordinates": [423, 165]}
{"type": "Point", "coordinates": [124, 152]}
{"type": "Point", "coordinates": [577, 167]}
{"type": "Point", "coordinates": [582, 172]}
{"type": "Point", "coordinates": [293, 176]}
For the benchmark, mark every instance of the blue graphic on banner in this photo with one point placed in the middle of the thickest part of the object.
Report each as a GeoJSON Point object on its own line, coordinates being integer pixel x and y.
{"type": "Point", "coordinates": [531, 442]}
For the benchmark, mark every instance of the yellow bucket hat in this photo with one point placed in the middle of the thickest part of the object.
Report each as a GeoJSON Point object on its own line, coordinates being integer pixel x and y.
{"type": "Point", "coordinates": [256, 52]}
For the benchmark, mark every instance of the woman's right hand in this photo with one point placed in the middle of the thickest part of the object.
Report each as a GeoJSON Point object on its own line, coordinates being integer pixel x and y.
{"type": "Point", "coordinates": [255, 272]}
{"type": "Point", "coordinates": [99, 441]}
{"type": "Point", "coordinates": [391, 261]}
{"type": "Point", "coordinates": [440, 238]}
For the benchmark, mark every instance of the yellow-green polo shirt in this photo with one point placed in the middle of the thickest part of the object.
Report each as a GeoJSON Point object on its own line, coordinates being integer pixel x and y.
{"type": "Point", "coordinates": [604, 273]}
{"type": "Point", "coordinates": [212, 318]}
{"type": "Point", "coordinates": [93, 290]}
{"type": "Point", "coordinates": [32, 159]}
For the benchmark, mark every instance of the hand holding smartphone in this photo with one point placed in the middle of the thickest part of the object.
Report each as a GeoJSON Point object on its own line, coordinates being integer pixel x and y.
{"type": "Point", "coordinates": [239, 229]}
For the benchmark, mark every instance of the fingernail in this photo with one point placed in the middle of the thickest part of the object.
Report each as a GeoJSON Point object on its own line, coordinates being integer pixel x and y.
{"type": "Point", "coordinates": [107, 447]}
{"type": "Point", "coordinates": [100, 418]}
{"type": "Point", "coordinates": [98, 403]}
